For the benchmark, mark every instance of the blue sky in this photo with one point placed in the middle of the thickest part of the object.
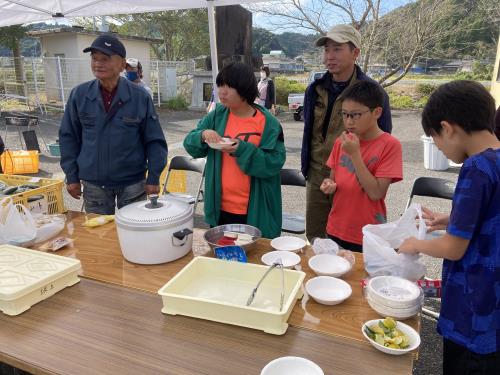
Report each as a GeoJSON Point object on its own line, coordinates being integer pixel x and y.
{"type": "Point", "coordinates": [264, 20]}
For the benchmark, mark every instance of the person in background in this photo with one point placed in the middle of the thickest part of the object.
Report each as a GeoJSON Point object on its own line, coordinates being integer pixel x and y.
{"type": "Point", "coordinates": [267, 92]}
{"type": "Point", "coordinates": [133, 69]}
{"type": "Point", "coordinates": [110, 135]}
{"type": "Point", "coordinates": [323, 120]}
{"type": "Point", "coordinates": [364, 162]}
{"type": "Point", "coordinates": [242, 182]}
{"type": "Point", "coordinates": [459, 117]}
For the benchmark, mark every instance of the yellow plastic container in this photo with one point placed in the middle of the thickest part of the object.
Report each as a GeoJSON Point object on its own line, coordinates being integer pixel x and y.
{"type": "Point", "coordinates": [51, 190]}
{"type": "Point", "coordinates": [218, 290]}
{"type": "Point", "coordinates": [28, 277]}
{"type": "Point", "coordinates": [19, 161]}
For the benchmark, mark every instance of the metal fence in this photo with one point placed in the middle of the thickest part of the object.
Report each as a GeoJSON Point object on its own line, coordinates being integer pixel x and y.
{"type": "Point", "coordinates": [45, 83]}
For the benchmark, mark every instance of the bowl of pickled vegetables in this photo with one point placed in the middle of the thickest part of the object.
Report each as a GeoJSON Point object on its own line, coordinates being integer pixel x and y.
{"type": "Point", "coordinates": [390, 336]}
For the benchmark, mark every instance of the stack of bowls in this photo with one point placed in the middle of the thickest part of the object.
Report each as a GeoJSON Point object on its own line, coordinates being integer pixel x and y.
{"type": "Point", "coordinates": [394, 296]}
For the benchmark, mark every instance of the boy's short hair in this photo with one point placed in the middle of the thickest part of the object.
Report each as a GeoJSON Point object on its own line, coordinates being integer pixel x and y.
{"type": "Point", "coordinates": [240, 77]}
{"type": "Point", "coordinates": [466, 104]}
{"type": "Point", "coordinates": [367, 93]}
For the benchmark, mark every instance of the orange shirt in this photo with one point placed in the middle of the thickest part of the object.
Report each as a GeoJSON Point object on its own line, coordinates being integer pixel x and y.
{"type": "Point", "coordinates": [235, 183]}
{"type": "Point", "coordinates": [352, 208]}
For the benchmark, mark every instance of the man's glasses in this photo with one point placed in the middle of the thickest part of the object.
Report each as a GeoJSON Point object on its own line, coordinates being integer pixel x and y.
{"type": "Point", "coordinates": [354, 115]}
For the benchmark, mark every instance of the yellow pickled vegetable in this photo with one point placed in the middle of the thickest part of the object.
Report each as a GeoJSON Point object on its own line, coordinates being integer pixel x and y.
{"type": "Point", "coordinates": [98, 221]}
{"type": "Point", "coordinates": [385, 333]}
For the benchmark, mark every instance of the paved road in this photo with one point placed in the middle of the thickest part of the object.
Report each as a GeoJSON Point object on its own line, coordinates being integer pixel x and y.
{"type": "Point", "coordinates": [406, 128]}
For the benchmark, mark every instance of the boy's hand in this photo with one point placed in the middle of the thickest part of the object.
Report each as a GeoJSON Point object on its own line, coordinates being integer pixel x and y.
{"type": "Point", "coordinates": [409, 246]}
{"type": "Point", "coordinates": [434, 220]}
{"type": "Point", "coordinates": [350, 143]}
{"type": "Point", "coordinates": [210, 136]}
{"type": "Point", "coordinates": [328, 186]}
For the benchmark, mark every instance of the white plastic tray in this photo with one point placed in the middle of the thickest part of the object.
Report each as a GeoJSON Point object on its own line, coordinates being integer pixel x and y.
{"type": "Point", "coordinates": [218, 290]}
{"type": "Point", "coordinates": [28, 277]}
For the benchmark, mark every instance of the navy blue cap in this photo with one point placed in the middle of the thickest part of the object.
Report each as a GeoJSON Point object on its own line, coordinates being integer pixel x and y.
{"type": "Point", "coordinates": [107, 44]}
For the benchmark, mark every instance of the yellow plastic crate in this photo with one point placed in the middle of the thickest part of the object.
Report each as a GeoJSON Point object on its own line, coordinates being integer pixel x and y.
{"type": "Point", "coordinates": [20, 161]}
{"type": "Point", "coordinates": [49, 188]}
{"type": "Point", "coordinates": [177, 181]}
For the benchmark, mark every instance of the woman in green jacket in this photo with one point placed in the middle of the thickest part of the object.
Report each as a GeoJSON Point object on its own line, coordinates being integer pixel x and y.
{"type": "Point", "coordinates": [245, 151]}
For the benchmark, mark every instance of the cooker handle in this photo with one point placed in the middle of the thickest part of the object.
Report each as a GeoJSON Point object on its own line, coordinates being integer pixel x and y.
{"type": "Point", "coordinates": [181, 237]}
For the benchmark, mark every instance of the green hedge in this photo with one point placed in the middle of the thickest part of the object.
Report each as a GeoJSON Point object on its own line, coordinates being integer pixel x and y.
{"type": "Point", "coordinates": [285, 86]}
{"type": "Point", "coordinates": [177, 103]}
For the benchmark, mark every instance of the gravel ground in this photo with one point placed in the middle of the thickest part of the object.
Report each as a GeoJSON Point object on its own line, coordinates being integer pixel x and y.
{"type": "Point", "coordinates": [406, 128]}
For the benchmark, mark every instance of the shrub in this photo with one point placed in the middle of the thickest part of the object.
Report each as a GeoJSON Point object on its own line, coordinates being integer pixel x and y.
{"type": "Point", "coordinates": [401, 101]}
{"type": "Point", "coordinates": [425, 89]}
{"type": "Point", "coordinates": [177, 103]}
{"type": "Point", "coordinates": [285, 86]}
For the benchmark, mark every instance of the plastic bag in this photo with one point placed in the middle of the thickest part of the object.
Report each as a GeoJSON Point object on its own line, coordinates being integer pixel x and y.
{"type": "Point", "coordinates": [16, 223]}
{"type": "Point", "coordinates": [329, 246]}
{"type": "Point", "coordinates": [48, 226]}
{"type": "Point", "coordinates": [380, 242]}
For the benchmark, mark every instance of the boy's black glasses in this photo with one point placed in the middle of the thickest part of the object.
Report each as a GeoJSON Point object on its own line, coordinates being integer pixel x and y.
{"type": "Point", "coordinates": [354, 115]}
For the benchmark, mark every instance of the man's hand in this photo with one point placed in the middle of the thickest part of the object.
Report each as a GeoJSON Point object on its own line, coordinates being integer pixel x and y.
{"type": "Point", "coordinates": [152, 189]}
{"type": "Point", "coordinates": [328, 186]}
{"type": "Point", "coordinates": [434, 220]}
{"type": "Point", "coordinates": [350, 143]}
{"type": "Point", "coordinates": [75, 190]}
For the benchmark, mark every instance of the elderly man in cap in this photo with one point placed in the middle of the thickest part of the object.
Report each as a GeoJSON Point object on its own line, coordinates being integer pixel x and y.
{"type": "Point", "coordinates": [110, 135]}
{"type": "Point", "coordinates": [323, 119]}
{"type": "Point", "coordinates": [133, 72]}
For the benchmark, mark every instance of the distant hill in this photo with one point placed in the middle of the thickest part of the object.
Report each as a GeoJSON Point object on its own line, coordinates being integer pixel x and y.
{"type": "Point", "coordinates": [293, 44]}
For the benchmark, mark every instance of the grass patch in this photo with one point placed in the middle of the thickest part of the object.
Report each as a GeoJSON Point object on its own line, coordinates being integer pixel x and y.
{"type": "Point", "coordinates": [177, 103]}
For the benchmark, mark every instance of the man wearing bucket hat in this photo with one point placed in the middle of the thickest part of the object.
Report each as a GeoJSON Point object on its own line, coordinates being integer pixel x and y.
{"type": "Point", "coordinates": [323, 120]}
{"type": "Point", "coordinates": [133, 72]}
{"type": "Point", "coordinates": [110, 135]}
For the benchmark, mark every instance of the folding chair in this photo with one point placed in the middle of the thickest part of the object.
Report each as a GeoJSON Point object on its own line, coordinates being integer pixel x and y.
{"type": "Point", "coordinates": [433, 187]}
{"type": "Point", "coordinates": [292, 223]}
{"type": "Point", "coordinates": [187, 163]}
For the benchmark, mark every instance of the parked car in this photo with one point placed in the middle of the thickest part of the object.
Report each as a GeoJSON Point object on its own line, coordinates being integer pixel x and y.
{"type": "Point", "coordinates": [296, 100]}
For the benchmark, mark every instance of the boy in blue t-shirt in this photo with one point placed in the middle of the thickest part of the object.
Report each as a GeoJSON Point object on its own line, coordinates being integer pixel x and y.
{"type": "Point", "coordinates": [459, 117]}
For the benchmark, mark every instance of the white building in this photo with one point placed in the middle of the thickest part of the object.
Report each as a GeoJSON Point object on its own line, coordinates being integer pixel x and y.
{"type": "Point", "coordinates": [62, 49]}
{"type": "Point", "coordinates": [277, 61]}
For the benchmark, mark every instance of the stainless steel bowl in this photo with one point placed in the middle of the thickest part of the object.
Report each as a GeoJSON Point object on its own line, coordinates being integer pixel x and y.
{"type": "Point", "coordinates": [216, 233]}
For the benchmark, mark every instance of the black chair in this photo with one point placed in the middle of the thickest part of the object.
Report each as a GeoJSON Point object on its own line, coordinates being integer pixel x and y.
{"type": "Point", "coordinates": [292, 223]}
{"type": "Point", "coordinates": [30, 138]}
{"type": "Point", "coordinates": [187, 163]}
{"type": "Point", "coordinates": [433, 187]}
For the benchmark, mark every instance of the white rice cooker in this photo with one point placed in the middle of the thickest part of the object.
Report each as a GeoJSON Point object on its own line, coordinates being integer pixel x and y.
{"type": "Point", "coordinates": [155, 231]}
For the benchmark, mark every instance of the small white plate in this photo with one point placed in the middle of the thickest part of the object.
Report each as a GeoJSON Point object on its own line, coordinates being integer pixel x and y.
{"type": "Point", "coordinates": [413, 338]}
{"type": "Point", "coordinates": [288, 243]}
{"type": "Point", "coordinates": [288, 258]}
{"type": "Point", "coordinates": [292, 366]}
{"type": "Point", "coordinates": [393, 291]}
{"type": "Point", "coordinates": [329, 265]}
{"type": "Point", "coordinates": [224, 143]}
{"type": "Point", "coordinates": [328, 290]}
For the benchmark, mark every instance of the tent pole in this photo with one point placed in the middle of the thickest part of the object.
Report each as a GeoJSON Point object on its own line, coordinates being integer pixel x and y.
{"type": "Point", "coordinates": [213, 45]}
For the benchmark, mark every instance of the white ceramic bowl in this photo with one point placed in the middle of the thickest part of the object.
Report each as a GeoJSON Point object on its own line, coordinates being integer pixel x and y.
{"type": "Point", "coordinates": [288, 258]}
{"type": "Point", "coordinates": [393, 291]}
{"type": "Point", "coordinates": [329, 265]}
{"type": "Point", "coordinates": [392, 312]}
{"type": "Point", "coordinates": [413, 338]}
{"type": "Point", "coordinates": [292, 366]}
{"type": "Point", "coordinates": [328, 290]}
{"type": "Point", "coordinates": [288, 243]}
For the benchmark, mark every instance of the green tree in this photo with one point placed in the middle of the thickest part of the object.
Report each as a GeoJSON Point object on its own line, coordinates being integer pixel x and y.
{"type": "Point", "coordinates": [10, 37]}
{"type": "Point", "coordinates": [263, 41]}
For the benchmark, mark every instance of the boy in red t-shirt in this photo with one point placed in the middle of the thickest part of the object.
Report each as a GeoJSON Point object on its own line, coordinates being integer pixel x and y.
{"type": "Point", "coordinates": [364, 162]}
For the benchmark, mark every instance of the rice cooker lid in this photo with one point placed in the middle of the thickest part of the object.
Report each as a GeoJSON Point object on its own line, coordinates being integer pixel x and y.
{"type": "Point", "coordinates": [155, 212]}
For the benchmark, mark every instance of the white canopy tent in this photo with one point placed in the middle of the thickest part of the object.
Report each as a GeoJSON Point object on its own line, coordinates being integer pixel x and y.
{"type": "Point", "coordinates": [14, 12]}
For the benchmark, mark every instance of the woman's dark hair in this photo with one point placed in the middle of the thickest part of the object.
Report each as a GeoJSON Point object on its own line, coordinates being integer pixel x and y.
{"type": "Point", "coordinates": [265, 69]}
{"type": "Point", "coordinates": [240, 77]}
{"type": "Point", "coordinates": [466, 104]}
{"type": "Point", "coordinates": [367, 93]}
{"type": "Point", "coordinates": [139, 69]}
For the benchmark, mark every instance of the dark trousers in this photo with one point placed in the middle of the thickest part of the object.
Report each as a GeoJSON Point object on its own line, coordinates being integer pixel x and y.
{"type": "Point", "coordinates": [458, 360]}
{"type": "Point", "coordinates": [347, 245]}
{"type": "Point", "coordinates": [229, 218]}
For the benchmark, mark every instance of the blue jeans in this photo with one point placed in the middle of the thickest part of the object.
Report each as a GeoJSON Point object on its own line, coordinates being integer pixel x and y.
{"type": "Point", "coordinates": [101, 200]}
